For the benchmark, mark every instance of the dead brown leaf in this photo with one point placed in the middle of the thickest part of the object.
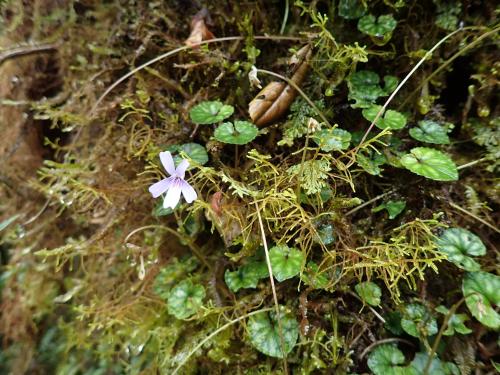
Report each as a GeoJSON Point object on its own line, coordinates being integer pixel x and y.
{"type": "Point", "coordinates": [273, 101]}
{"type": "Point", "coordinates": [199, 29]}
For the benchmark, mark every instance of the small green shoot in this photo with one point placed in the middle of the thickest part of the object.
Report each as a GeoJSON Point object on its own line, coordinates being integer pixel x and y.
{"type": "Point", "coordinates": [285, 261]}
{"type": "Point", "coordinates": [430, 132]}
{"type": "Point", "coordinates": [430, 163]}
{"type": "Point", "coordinates": [482, 292]}
{"type": "Point", "coordinates": [459, 245]}
{"type": "Point", "coordinates": [264, 334]}
{"type": "Point", "coordinates": [240, 133]}
{"type": "Point", "coordinates": [393, 208]}
{"type": "Point", "coordinates": [185, 299]}
{"type": "Point", "coordinates": [369, 292]}
{"type": "Point", "coordinates": [210, 112]}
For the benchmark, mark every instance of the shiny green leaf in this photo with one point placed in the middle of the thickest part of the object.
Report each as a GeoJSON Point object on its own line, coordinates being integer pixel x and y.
{"type": "Point", "coordinates": [430, 163]}
{"type": "Point", "coordinates": [210, 112]}
{"type": "Point", "coordinates": [459, 245]}
{"type": "Point", "coordinates": [482, 292]}
{"type": "Point", "coordinates": [264, 334]}
{"type": "Point", "coordinates": [240, 133]}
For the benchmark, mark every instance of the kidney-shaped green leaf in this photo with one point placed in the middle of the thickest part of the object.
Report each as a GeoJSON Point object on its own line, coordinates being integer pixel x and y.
{"type": "Point", "coordinates": [351, 9]}
{"type": "Point", "coordinates": [185, 299]}
{"type": "Point", "coordinates": [391, 119]}
{"type": "Point", "coordinates": [430, 132]}
{"type": "Point", "coordinates": [246, 276]}
{"type": "Point", "coordinates": [240, 133]}
{"type": "Point", "coordinates": [378, 27]}
{"type": "Point", "coordinates": [417, 321]}
{"type": "Point", "coordinates": [210, 112]}
{"type": "Point", "coordinates": [482, 290]}
{"type": "Point", "coordinates": [393, 208]}
{"type": "Point", "coordinates": [285, 261]}
{"type": "Point", "coordinates": [332, 139]}
{"type": "Point", "coordinates": [430, 163]}
{"type": "Point", "coordinates": [387, 359]}
{"type": "Point", "coordinates": [263, 330]}
{"type": "Point", "coordinates": [459, 245]}
{"type": "Point", "coordinates": [369, 292]}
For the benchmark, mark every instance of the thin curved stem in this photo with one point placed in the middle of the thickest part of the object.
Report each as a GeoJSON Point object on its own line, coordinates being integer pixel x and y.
{"type": "Point", "coordinates": [275, 297]}
{"type": "Point", "coordinates": [402, 83]}
{"type": "Point", "coordinates": [448, 62]}
{"type": "Point", "coordinates": [173, 52]}
{"type": "Point", "coordinates": [285, 17]}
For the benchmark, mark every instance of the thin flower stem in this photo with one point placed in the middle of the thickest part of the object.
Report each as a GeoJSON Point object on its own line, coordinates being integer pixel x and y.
{"type": "Point", "coordinates": [275, 297]}
{"type": "Point", "coordinates": [449, 61]}
{"type": "Point", "coordinates": [403, 82]}
{"type": "Point", "coordinates": [285, 17]}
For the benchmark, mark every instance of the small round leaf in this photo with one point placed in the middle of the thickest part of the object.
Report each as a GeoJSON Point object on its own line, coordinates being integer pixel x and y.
{"type": "Point", "coordinates": [387, 360]}
{"type": "Point", "coordinates": [481, 291]}
{"type": "Point", "coordinates": [240, 133]}
{"type": "Point", "coordinates": [391, 119]}
{"type": "Point", "coordinates": [459, 245]}
{"type": "Point", "coordinates": [263, 330]}
{"type": "Point", "coordinates": [196, 152]}
{"type": "Point", "coordinates": [417, 321]}
{"type": "Point", "coordinates": [369, 292]}
{"type": "Point", "coordinates": [430, 163]}
{"type": "Point", "coordinates": [185, 299]}
{"type": "Point", "coordinates": [246, 276]}
{"type": "Point", "coordinates": [380, 27]}
{"type": "Point", "coordinates": [394, 208]}
{"type": "Point", "coordinates": [285, 261]}
{"type": "Point", "coordinates": [210, 112]}
{"type": "Point", "coordinates": [313, 277]}
{"type": "Point", "coordinates": [430, 132]}
{"type": "Point", "coordinates": [332, 139]}
{"type": "Point", "coordinates": [351, 9]}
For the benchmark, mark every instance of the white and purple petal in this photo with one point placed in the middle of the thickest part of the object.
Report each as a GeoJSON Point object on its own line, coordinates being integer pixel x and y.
{"type": "Point", "coordinates": [188, 192]}
{"type": "Point", "coordinates": [173, 194]}
{"type": "Point", "coordinates": [160, 187]}
{"type": "Point", "coordinates": [181, 168]}
{"type": "Point", "coordinates": [168, 162]}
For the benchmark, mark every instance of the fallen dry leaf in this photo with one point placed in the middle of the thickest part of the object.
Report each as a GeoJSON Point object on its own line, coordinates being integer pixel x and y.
{"type": "Point", "coordinates": [274, 100]}
{"type": "Point", "coordinates": [199, 29]}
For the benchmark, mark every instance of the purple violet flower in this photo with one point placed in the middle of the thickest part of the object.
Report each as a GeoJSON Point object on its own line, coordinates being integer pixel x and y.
{"type": "Point", "coordinates": [173, 185]}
